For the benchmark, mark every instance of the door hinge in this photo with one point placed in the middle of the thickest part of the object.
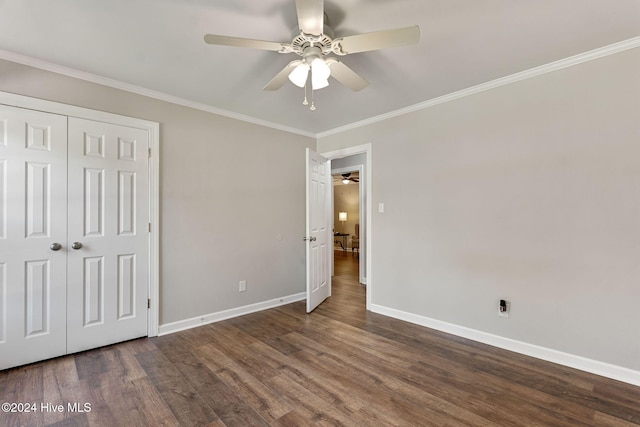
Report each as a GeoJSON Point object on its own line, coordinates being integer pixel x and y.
{"type": "Point", "coordinates": [149, 227]}
{"type": "Point", "coordinates": [148, 302]}
{"type": "Point", "coordinates": [149, 151]}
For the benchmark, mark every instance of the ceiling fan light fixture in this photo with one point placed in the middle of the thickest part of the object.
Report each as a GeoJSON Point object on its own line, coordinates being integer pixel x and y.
{"type": "Point", "coordinates": [299, 75]}
{"type": "Point", "coordinates": [320, 73]}
{"type": "Point", "coordinates": [345, 181]}
{"type": "Point", "coordinates": [312, 40]}
{"type": "Point", "coordinates": [319, 84]}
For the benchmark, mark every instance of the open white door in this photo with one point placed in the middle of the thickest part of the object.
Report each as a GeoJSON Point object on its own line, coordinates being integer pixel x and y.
{"type": "Point", "coordinates": [318, 231]}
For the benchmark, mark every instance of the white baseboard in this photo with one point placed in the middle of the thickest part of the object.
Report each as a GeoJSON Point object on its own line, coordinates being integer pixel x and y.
{"type": "Point", "coordinates": [578, 362]}
{"type": "Point", "coordinates": [181, 325]}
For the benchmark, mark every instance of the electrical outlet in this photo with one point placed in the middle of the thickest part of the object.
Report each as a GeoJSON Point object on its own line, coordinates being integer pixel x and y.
{"type": "Point", "coordinates": [503, 308]}
{"type": "Point", "coordinates": [242, 286]}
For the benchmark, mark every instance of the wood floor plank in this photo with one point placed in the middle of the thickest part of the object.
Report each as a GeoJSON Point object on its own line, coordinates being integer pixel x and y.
{"type": "Point", "coordinates": [25, 386]}
{"type": "Point", "coordinates": [97, 391]}
{"type": "Point", "coordinates": [186, 404]}
{"type": "Point", "coordinates": [313, 408]}
{"type": "Point", "coordinates": [365, 380]}
{"type": "Point", "coordinates": [91, 363]}
{"type": "Point", "coordinates": [230, 407]}
{"type": "Point", "coordinates": [146, 401]}
{"type": "Point", "coordinates": [264, 401]}
{"type": "Point", "coordinates": [233, 353]}
{"type": "Point", "coordinates": [606, 420]}
{"type": "Point", "coordinates": [74, 420]}
{"type": "Point", "coordinates": [60, 375]}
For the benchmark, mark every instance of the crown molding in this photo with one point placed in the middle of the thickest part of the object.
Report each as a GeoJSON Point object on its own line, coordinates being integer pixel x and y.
{"type": "Point", "coordinates": [523, 75]}
{"type": "Point", "coordinates": [138, 90]}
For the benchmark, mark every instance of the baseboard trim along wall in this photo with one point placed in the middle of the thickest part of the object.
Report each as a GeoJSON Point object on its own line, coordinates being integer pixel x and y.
{"type": "Point", "coordinates": [205, 319]}
{"type": "Point", "coordinates": [578, 362]}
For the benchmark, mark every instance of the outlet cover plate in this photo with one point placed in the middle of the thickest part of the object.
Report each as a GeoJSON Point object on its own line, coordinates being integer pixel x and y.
{"type": "Point", "coordinates": [505, 313]}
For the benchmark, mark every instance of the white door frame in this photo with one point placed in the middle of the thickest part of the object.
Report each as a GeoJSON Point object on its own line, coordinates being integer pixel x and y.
{"type": "Point", "coordinates": [362, 276]}
{"type": "Point", "coordinates": [366, 150]}
{"type": "Point", "coordinates": [154, 183]}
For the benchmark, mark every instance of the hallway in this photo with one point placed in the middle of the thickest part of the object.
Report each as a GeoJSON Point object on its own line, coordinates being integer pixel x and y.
{"type": "Point", "coordinates": [348, 297]}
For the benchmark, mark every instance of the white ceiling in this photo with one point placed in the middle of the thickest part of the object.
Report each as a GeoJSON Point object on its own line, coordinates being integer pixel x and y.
{"type": "Point", "coordinates": [158, 45]}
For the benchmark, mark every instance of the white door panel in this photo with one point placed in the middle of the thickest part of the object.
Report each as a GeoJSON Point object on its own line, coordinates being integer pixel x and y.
{"type": "Point", "coordinates": [33, 216]}
{"type": "Point", "coordinates": [90, 186]}
{"type": "Point", "coordinates": [318, 229]}
{"type": "Point", "coordinates": [108, 216]}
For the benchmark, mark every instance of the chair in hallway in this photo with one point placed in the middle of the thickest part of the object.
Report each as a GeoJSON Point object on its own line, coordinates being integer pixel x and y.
{"type": "Point", "coordinates": [355, 240]}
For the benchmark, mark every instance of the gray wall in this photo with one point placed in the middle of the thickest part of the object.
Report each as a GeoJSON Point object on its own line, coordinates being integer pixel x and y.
{"type": "Point", "coordinates": [229, 207]}
{"type": "Point", "coordinates": [346, 198]}
{"type": "Point", "coordinates": [528, 192]}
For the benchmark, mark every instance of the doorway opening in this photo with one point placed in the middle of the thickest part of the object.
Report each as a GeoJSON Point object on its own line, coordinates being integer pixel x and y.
{"type": "Point", "coordinates": [347, 216]}
{"type": "Point", "coordinates": [356, 160]}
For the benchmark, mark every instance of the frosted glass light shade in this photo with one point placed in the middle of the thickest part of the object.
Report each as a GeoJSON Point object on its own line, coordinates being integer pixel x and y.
{"type": "Point", "coordinates": [299, 75]}
{"type": "Point", "coordinates": [320, 73]}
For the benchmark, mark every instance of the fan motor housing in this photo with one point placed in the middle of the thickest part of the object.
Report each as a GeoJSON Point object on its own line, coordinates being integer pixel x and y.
{"type": "Point", "coordinates": [302, 41]}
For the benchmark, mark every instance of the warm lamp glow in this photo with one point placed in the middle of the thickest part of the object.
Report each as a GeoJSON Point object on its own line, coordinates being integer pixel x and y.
{"type": "Point", "coordinates": [342, 216]}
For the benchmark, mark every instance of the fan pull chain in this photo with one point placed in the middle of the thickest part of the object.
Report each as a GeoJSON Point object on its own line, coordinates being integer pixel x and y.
{"type": "Point", "coordinates": [305, 102]}
{"type": "Point", "coordinates": [313, 106]}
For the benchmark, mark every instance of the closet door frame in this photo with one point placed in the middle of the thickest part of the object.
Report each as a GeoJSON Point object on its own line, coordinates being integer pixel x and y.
{"type": "Point", "coordinates": [153, 129]}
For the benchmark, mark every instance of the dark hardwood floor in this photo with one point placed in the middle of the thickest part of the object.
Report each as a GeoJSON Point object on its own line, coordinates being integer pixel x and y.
{"type": "Point", "coordinates": [337, 366]}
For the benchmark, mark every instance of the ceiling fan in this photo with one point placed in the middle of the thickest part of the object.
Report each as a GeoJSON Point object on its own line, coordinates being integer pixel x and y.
{"type": "Point", "coordinates": [346, 178]}
{"type": "Point", "coordinates": [313, 40]}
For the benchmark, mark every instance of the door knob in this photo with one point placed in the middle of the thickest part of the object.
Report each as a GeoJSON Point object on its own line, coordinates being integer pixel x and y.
{"type": "Point", "coordinates": [311, 239]}
{"type": "Point", "coordinates": [76, 245]}
{"type": "Point", "coordinates": [55, 246]}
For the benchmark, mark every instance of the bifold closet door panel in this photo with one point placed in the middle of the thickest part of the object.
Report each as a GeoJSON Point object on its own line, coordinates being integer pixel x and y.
{"type": "Point", "coordinates": [108, 234]}
{"type": "Point", "coordinates": [33, 221]}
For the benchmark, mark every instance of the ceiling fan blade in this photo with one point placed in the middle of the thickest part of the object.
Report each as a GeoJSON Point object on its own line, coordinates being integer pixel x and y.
{"type": "Point", "coordinates": [346, 75]}
{"type": "Point", "coordinates": [282, 77]}
{"type": "Point", "coordinates": [242, 42]}
{"type": "Point", "coordinates": [377, 40]}
{"type": "Point", "coordinates": [310, 16]}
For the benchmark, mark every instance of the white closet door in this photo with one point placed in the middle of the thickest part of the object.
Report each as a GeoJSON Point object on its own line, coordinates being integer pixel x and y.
{"type": "Point", "coordinates": [108, 234]}
{"type": "Point", "coordinates": [108, 227]}
{"type": "Point", "coordinates": [33, 220]}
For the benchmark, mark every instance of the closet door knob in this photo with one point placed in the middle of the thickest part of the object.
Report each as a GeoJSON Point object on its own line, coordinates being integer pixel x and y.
{"type": "Point", "coordinates": [55, 246]}
{"type": "Point", "coordinates": [76, 245]}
